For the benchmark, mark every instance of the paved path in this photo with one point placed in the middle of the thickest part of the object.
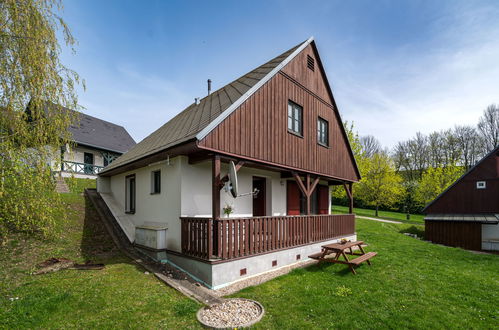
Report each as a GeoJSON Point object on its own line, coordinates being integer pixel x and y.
{"type": "Point", "coordinates": [376, 219]}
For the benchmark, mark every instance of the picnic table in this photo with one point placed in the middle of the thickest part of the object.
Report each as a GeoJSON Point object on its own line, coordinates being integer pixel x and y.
{"type": "Point", "coordinates": [334, 251]}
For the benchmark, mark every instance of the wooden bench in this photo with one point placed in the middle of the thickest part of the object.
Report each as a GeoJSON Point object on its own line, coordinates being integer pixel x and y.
{"type": "Point", "coordinates": [316, 256]}
{"type": "Point", "coordinates": [365, 257]}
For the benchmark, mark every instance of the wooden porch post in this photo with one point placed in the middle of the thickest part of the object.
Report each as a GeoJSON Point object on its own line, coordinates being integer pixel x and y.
{"type": "Point", "coordinates": [215, 206]}
{"type": "Point", "coordinates": [308, 194]}
{"type": "Point", "coordinates": [348, 189]}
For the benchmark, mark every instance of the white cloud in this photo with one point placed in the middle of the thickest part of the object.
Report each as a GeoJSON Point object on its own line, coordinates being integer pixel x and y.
{"type": "Point", "coordinates": [424, 90]}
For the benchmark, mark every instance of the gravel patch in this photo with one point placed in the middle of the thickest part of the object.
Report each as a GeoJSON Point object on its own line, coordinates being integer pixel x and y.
{"type": "Point", "coordinates": [231, 313]}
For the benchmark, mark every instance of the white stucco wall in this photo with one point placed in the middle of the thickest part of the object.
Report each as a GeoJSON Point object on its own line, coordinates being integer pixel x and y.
{"type": "Point", "coordinates": [186, 192]}
{"type": "Point", "coordinates": [159, 208]}
{"type": "Point", "coordinates": [196, 191]}
{"type": "Point", "coordinates": [76, 154]}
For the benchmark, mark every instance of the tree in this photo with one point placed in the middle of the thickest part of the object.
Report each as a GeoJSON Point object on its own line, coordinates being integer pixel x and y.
{"type": "Point", "coordinates": [470, 144]}
{"type": "Point", "coordinates": [488, 125]}
{"type": "Point", "coordinates": [380, 185]}
{"type": "Point", "coordinates": [31, 73]}
{"type": "Point", "coordinates": [370, 145]}
{"type": "Point", "coordinates": [434, 181]}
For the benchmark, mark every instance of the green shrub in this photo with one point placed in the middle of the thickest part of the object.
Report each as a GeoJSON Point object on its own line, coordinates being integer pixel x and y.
{"type": "Point", "coordinates": [28, 201]}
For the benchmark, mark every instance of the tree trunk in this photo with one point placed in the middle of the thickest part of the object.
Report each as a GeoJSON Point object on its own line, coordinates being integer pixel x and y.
{"type": "Point", "coordinates": [376, 211]}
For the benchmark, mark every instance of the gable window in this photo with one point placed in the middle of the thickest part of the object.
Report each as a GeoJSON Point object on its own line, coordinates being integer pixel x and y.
{"type": "Point", "coordinates": [481, 185]}
{"type": "Point", "coordinates": [295, 118]}
{"type": "Point", "coordinates": [130, 194]}
{"type": "Point", "coordinates": [322, 132]}
{"type": "Point", "coordinates": [156, 182]}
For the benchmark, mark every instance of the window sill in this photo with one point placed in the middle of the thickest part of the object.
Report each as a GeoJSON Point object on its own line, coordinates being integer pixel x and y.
{"type": "Point", "coordinates": [295, 134]}
{"type": "Point", "coordinates": [323, 145]}
{"type": "Point", "coordinates": [129, 212]}
{"type": "Point", "coordinates": [156, 193]}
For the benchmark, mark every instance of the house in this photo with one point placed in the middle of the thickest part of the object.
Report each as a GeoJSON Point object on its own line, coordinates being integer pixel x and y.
{"type": "Point", "coordinates": [280, 126]}
{"type": "Point", "coordinates": [95, 144]}
{"type": "Point", "coordinates": [467, 213]}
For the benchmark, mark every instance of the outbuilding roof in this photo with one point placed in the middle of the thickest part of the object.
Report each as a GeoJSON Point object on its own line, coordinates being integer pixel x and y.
{"type": "Point", "coordinates": [480, 218]}
{"type": "Point", "coordinates": [98, 133]}
{"type": "Point", "coordinates": [197, 120]}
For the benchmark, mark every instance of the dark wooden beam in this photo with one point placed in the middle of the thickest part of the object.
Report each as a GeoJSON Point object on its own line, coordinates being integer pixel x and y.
{"type": "Point", "coordinates": [308, 194]}
{"type": "Point", "coordinates": [300, 183]}
{"type": "Point", "coordinates": [215, 192]}
{"type": "Point", "coordinates": [348, 190]}
{"type": "Point", "coordinates": [314, 184]}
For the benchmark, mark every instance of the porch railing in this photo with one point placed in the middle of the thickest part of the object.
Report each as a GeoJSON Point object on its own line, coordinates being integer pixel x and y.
{"type": "Point", "coordinates": [237, 237]}
{"type": "Point", "coordinates": [81, 168]}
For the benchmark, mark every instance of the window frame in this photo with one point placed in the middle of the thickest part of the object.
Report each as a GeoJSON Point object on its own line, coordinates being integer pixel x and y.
{"type": "Point", "coordinates": [155, 191]}
{"type": "Point", "coordinates": [130, 205]}
{"type": "Point", "coordinates": [325, 125]}
{"type": "Point", "coordinates": [295, 106]}
{"type": "Point", "coordinates": [481, 185]}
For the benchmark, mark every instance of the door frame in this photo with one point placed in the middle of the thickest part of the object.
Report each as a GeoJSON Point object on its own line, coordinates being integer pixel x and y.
{"type": "Point", "coordinates": [264, 179]}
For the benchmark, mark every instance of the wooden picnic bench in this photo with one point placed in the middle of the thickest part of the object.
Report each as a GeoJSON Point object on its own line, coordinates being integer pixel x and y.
{"type": "Point", "coordinates": [335, 250]}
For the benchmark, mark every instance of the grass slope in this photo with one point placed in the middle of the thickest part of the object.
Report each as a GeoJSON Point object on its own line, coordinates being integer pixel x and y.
{"type": "Point", "coordinates": [120, 296]}
{"type": "Point", "coordinates": [412, 284]}
{"type": "Point", "coordinates": [389, 215]}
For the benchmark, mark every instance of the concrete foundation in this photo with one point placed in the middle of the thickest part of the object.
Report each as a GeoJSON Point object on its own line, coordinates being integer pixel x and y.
{"type": "Point", "coordinates": [219, 275]}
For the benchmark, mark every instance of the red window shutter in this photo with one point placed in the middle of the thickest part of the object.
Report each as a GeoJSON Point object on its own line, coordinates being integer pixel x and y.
{"type": "Point", "coordinates": [323, 198]}
{"type": "Point", "coordinates": [293, 198]}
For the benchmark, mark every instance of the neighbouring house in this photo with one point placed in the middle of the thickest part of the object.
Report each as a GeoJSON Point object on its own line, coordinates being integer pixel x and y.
{"type": "Point", "coordinates": [281, 127]}
{"type": "Point", "coordinates": [96, 143]}
{"type": "Point", "coordinates": [467, 213]}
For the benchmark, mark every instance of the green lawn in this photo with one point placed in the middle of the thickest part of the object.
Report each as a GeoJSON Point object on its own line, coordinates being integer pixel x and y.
{"type": "Point", "coordinates": [120, 296]}
{"type": "Point", "coordinates": [389, 215]}
{"type": "Point", "coordinates": [412, 284]}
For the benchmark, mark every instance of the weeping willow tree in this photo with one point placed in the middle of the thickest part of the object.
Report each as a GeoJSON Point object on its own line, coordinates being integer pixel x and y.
{"type": "Point", "coordinates": [31, 77]}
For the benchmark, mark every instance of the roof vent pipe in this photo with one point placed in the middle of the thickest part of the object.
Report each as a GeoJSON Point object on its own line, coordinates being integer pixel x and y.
{"type": "Point", "coordinates": [196, 100]}
{"type": "Point", "coordinates": [209, 86]}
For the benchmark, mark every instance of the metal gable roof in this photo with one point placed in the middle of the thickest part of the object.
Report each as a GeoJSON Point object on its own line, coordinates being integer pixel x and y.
{"type": "Point", "coordinates": [98, 133]}
{"type": "Point", "coordinates": [197, 120]}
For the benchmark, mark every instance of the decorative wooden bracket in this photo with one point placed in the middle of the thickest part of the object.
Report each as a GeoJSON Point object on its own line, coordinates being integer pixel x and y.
{"type": "Point", "coordinates": [307, 189]}
{"type": "Point", "coordinates": [348, 189]}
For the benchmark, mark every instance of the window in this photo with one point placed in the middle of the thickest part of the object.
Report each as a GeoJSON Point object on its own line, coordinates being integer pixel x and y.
{"type": "Point", "coordinates": [130, 194]}
{"type": "Point", "coordinates": [156, 182]}
{"type": "Point", "coordinates": [481, 185]}
{"type": "Point", "coordinates": [310, 63]}
{"type": "Point", "coordinates": [88, 159]}
{"type": "Point", "coordinates": [323, 132]}
{"type": "Point", "coordinates": [295, 115]}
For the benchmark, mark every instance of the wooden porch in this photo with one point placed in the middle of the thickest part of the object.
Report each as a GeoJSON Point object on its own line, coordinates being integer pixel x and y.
{"type": "Point", "coordinates": [228, 238]}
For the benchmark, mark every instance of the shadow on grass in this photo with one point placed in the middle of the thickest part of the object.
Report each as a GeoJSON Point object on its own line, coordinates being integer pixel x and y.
{"type": "Point", "coordinates": [338, 269]}
{"type": "Point", "coordinates": [97, 246]}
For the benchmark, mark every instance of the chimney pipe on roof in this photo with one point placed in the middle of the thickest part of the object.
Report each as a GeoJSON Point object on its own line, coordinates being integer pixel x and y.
{"type": "Point", "coordinates": [196, 100]}
{"type": "Point", "coordinates": [209, 86]}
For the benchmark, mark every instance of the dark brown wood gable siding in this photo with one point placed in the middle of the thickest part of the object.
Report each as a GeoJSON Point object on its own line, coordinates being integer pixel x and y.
{"type": "Point", "coordinates": [258, 130]}
{"type": "Point", "coordinates": [464, 197]}
{"type": "Point", "coordinates": [313, 80]}
{"type": "Point", "coordinates": [467, 235]}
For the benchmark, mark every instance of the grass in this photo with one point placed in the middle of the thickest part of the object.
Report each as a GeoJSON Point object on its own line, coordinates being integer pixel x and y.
{"type": "Point", "coordinates": [412, 284]}
{"type": "Point", "coordinates": [120, 296]}
{"type": "Point", "coordinates": [388, 215]}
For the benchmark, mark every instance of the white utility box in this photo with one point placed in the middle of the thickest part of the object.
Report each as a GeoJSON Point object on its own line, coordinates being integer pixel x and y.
{"type": "Point", "coordinates": [151, 235]}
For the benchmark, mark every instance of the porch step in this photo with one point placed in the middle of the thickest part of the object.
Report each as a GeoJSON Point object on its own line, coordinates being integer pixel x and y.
{"type": "Point", "coordinates": [60, 185]}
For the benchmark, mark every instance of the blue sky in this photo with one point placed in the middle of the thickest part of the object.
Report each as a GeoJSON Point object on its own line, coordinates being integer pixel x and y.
{"type": "Point", "coordinates": [395, 67]}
